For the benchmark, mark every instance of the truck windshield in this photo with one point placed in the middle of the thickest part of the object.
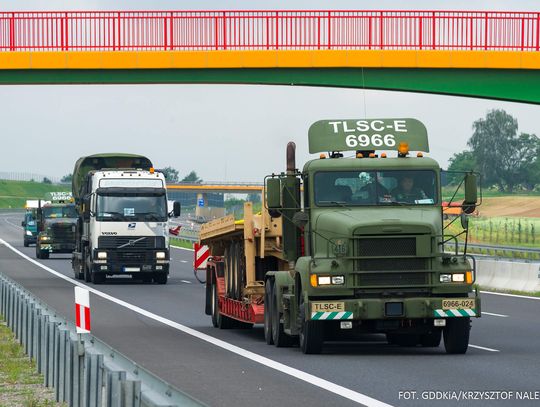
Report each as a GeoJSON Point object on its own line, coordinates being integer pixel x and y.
{"type": "Point", "coordinates": [396, 187]}
{"type": "Point", "coordinates": [52, 212]}
{"type": "Point", "coordinates": [132, 208]}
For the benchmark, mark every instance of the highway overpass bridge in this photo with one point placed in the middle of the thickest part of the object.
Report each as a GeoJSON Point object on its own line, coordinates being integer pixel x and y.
{"type": "Point", "coordinates": [479, 54]}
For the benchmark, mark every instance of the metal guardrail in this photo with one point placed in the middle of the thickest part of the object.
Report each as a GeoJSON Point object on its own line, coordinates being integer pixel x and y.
{"type": "Point", "coordinates": [84, 371]}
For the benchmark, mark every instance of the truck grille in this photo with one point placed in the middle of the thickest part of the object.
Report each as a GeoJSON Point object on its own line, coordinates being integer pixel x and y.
{"type": "Point", "coordinates": [401, 246]}
{"type": "Point", "coordinates": [131, 242]}
{"type": "Point", "coordinates": [130, 258]}
{"type": "Point", "coordinates": [391, 279]}
{"type": "Point", "coordinates": [63, 233]}
{"type": "Point", "coordinates": [390, 264]}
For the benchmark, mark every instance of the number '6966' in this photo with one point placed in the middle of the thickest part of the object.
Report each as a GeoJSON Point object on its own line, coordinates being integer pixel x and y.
{"type": "Point", "coordinates": [364, 140]}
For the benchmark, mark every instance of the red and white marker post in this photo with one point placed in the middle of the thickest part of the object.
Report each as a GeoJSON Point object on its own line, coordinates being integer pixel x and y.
{"type": "Point", "coordinates": [201, 253]}
{"type": "Point", "coordinates": [82, 310]}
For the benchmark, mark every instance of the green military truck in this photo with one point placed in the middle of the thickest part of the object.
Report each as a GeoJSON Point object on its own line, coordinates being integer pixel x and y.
{"type": "Point", "coordinates": [352, 244]}
{"type": "Point", "coordinates": [56, 224]}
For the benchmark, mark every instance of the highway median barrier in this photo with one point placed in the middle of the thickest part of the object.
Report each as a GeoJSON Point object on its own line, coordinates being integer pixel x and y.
{"type": "Point", "coordinates": [508, 275]}
{"type": "Point", "coordinates": [84, 371]}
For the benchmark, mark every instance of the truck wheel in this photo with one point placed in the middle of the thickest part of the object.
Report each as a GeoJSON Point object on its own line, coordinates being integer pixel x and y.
{"type": "Point", "coordinates": [98, 278]}
{"type": "Point", "coordinates": [311, 333]}
{"type": "Point", "coordinates": [161, 278]}
{"type": "Point", "coordinates": [214, 305]}
{"type": "Point", "coordinates": [26, 244]}
{"type": "Point", "coordinates": [432, 339]}
{"type": "Point", "coordinates": [456, 335]}
{"type": "Point", "coordinates": [268, 299]}
{"type": "Point", "coordinates": [280, 338]}
{"type": "Point", "coordinates": [222, 321]}
{"type": "Point", "coordinates": [38, 252]}
{"type": "Point", "coordinates": [44, 254]}
{"type": "Point", "coordinates": [86, 267]}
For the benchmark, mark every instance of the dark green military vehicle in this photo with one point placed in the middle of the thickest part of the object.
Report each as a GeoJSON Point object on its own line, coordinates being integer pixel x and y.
{"type": "Point", "coordinates": [352, 244]}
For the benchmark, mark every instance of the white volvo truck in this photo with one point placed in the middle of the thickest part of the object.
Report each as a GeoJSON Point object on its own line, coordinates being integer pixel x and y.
{"type": "Point", "coordinates": [122, 227]}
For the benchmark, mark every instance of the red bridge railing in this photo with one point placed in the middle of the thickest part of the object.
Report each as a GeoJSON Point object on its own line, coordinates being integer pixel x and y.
{"type": "Point", "coordinates": [268, 30]}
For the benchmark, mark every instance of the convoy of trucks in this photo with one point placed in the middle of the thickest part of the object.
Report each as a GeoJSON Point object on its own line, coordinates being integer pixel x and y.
{"type": "Point", "coordinates": [348, 245]}
{"type": "Point", "coordinates": [122, 219]}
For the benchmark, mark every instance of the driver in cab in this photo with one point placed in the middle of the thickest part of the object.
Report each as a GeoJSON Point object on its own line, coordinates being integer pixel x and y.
{"type": "Point", "coordinates": [406, 190]}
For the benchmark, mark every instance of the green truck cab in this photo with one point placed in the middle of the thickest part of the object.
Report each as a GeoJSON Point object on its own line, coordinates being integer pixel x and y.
{"type": "Point", "coordinates": [365, 241]}
{"type": "Point", "coordinates": [56, 223]}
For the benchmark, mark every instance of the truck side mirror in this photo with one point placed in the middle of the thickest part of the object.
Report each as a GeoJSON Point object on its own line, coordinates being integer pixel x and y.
{"type": "Point", "coordinates": [273, 196]}
{"type": "Point", "coordinates": [86, 207]}
{"type": "Point", "coordinates": [176, 209]}
{"type": "Point", "coordinates": [23, 223]}
{"type": "Point", "coordinates": [471, 193]}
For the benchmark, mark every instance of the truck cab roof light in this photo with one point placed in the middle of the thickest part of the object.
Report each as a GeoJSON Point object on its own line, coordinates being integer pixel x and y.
{"type": "Point", "coordinates": [403, 149]}
{"type": "Point", "coordinates": [419, 154]}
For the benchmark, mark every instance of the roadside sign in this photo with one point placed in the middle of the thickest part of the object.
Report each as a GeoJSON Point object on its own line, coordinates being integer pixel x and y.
{"type": "Point", "coordinates": [82, 310]}
{"type": "Point", "coordinates": [200, 202]}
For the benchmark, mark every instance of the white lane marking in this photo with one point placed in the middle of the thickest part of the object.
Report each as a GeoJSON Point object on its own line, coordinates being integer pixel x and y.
{"type": "Point", "coordinates": [185, 281]}
{"type": "Point", "coordinates": [183, 261]}
{"type": "Point", "coordinates": [511, 295]}
{"type": "Point", "coordinates": [494, 315]}
{"type": "Point", "coordinates": [484, 348]}
{"type": "Point", "coordinates": [280, 367]}
{"type": "Point", "coordinates": [12, 224]}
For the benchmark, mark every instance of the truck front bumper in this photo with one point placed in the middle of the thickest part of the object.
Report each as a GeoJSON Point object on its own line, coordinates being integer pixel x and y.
{"type": "Point", "coordinates": [118, 268]}
{"type": "Point", "coordinates": [390, 308]}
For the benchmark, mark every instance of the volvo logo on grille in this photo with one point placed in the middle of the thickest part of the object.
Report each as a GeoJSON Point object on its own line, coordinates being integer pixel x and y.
{"type": "Point", "coordinates": [131, 226]}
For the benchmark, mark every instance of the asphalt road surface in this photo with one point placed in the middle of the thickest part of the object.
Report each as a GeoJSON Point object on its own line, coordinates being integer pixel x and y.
{"type": "Point", "coordinates": [164, 328]}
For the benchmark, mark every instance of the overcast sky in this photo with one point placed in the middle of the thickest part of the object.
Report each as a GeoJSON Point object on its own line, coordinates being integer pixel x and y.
{"type": "Point", "coordinates": [224, 132]}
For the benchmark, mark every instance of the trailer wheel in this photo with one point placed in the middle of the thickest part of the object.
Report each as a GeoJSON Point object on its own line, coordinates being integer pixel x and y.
{"type": "Point", "coordinates": [222, 321]}
{"type": "Point", "coordinates": [456, 335]}
{"type": "Point", "coordinates": [280, 338]}
{"type": "Point", "coordinates": [214, 305]}
{"type": "Point", "coordinates": [268, 299]}
{"type": "Point", "coordinates": [85, 260]}
{"type": "Point", "coordinates": [311, 333]}
{"type": "Point", "coordinates": [432, 339]}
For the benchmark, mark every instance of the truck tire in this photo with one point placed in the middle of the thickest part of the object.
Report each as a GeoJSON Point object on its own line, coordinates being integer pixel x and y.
{"type": "Point", "coordinates": [44, 254]}
{"type": "Point", "coordinates": [38, 251]}
{"type": "Point", "coordinates": [268, 299]}
{"type": "Point", "coordinates": [456, 335]}
{"type": "Point", "coordinates": [98, 278]}
{"type": "Point", "coordinates": [161, 278]}
{"type": "Point", "coordinates": [222, 321]}
{"type": "Point", "coordinates": [86, 268]}
{"type": "Point", "coordinates": [26, 244]}
{"type": "Point", "coordinates": [280, 338]}
{"type": "Point", "coordinates": [214, 304]}
{"type": "Point", "coordinates": [431, 339]}
{"type": "Point", "coordinates": [311, 333]}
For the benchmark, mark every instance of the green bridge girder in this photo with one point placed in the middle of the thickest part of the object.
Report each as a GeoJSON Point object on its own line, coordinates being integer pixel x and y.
{"type": "Point", "coordinates": [516, 85]}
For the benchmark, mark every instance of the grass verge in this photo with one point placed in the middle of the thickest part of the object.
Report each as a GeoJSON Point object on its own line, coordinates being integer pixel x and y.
{"type": "Point", "coordinates": [186, 244]}
{"type": "Point", "coordinates": [20, 384]}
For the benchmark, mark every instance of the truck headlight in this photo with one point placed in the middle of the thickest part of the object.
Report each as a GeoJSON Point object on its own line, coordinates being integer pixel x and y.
{"type": "Point", "coordinates": [458, 277]}
{"type": "Point", "coordinates": [161, 255]}
{"type": "Point", "coordinates": [44, 238]}
{"type": "Point", "coordinates": [28, 233]}
{"type": "Point", "coordinates": [102, 255]}
{"type": "Point", "coordinates": [445, 278]}
{"type": "Point", "coordinates": [338, 280]}
{"type": "Point", "coordinates": [326, 280]}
